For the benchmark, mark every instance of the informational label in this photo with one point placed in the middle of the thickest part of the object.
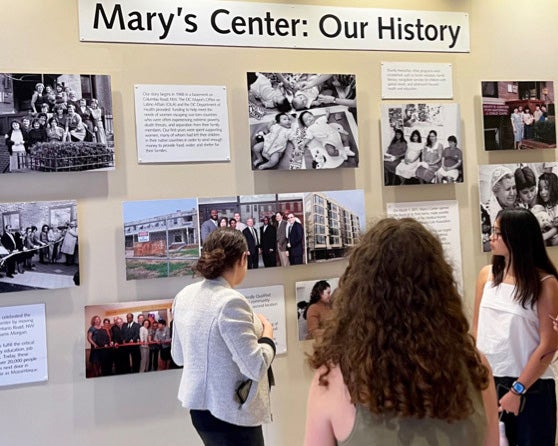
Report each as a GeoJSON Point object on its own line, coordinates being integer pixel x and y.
{"type": "Point", "coordinates": [273, 25]}
{"type": "Point", "coordinates": [270, 302]}
{"type": "Point", "coordinates": [406, 80]}
{"type": "Point", "coordinates": [23, 350]}
{"type": "Point", "coordinates": [181, 123]}
{"type": "Point", "coordinates": [442, 218]}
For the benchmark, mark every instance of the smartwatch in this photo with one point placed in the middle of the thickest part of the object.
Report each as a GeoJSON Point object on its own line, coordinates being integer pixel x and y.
{"type": "Point", "coordinates": [518, 388]}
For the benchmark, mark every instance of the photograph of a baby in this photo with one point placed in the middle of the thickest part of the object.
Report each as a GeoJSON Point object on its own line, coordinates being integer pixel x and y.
{"type": "Point", "coordinates": [532, 186]}
{"type": "Point", "coordinates": [302, 121]}
{"type": "Point", "coordinates": [421, 144]}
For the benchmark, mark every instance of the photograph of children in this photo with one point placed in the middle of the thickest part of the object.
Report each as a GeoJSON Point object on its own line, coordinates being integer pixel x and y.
{"type": "Point", "coordinates": [302, 121]}
{"type": "Point", "coordinates": [160, 238]}
{"type": "Point", "coordinates": [56, 123]}
{"type": "Point", "coordinates": [273, 225]}
{"type": "Point", "coordinates": [314, 299]}
{"type": "Point", "coordinates": [518, 115]}
{"type": "Point", "coordinates": [532, 186]}
{"type": "Point", "coordinates": [129, 337]}
{"type": "Point", "coordinates": [421, 144]}
{"type": "Point", "coordinates": [39, 246]}
{"type": "Point", "coordinates": [334, 221]}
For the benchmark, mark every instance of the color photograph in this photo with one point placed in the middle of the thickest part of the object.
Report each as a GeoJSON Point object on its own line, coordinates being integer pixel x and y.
{"type": "Point", "coordinates": [161, 238]}
{"type": "Point", "coordinates": [314, 299]}
{"type": "Point", "coordinates": [39, 246]}
{"type": "Point", "coordinates": [129, 337]}
{"type": "Point", "coordinates": [421, 144]}
{"type": "Point", "coordinates": [56, 123]}
{"type": "Point", "coordinates": [302, 121]}
{"type": "Point", "coordinates": [532, 186]}
{"type": "Point", "coordinates": [518, 115]}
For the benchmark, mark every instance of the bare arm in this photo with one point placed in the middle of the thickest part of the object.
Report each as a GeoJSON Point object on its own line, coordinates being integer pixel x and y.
{"type": "Point", "coordinates": [489, 399]}
{"type": "Point", "coordinates": [542, 356]}
{"type": "Point", "coordinates": [319, 431]}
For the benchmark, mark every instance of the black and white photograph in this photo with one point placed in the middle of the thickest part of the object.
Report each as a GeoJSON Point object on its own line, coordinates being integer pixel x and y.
{"type": "Point", "coordinates": [302, 121]}
{"type": "Point", "coordinates": [273, 225]}
{"type": "Point", "coordinates": [314, 300]}
{"type": "Point", "coordinates": [39, 246]}
{"type": "Point", "coordinates": [421, 144]}
{"type": "Point", "coordinates": [56, 123]}
{"type": "Point", "coordinates": [130, 337]}
{"type": "Point", "coordinates": [161, 238]}
{"type": "Point", "coordinates": [518, 115]}
{"type": "Point", "coordinates": [532, 186]}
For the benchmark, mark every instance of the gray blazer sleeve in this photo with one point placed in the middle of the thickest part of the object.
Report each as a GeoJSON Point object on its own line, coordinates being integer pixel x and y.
{"type": "Point", "coordinates": [176, 347]}
{"type": "Point", "coordinates": [236, 325]}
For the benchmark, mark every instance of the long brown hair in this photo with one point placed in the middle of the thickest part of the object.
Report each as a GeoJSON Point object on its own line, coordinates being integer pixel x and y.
{"type": "Point", "coordinates": [398, 331]}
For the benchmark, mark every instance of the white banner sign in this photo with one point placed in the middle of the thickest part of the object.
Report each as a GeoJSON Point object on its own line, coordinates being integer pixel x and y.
{"type": "Point", "coordinates": [229, 23]}
{"type": "Point", "coordinates": [23, 349]}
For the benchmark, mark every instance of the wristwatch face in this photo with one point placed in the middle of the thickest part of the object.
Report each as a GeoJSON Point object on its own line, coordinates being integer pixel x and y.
{"type": "Point", "coordinates": [518, 387]}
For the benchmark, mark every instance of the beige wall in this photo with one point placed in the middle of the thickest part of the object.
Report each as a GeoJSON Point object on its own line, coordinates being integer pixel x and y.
{"type": "Point", "coordinates": [509, 40]}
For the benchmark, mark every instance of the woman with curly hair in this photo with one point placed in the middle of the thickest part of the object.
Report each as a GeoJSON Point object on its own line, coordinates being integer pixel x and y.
{"type": "Point", "coordinates": [225, 348]}
{"type": "Point", "coordinates": [318, 308]}
{"type": "Point", "coordinates": [514, 297]}
{"type": "Point", "coordinates": [395, 363]}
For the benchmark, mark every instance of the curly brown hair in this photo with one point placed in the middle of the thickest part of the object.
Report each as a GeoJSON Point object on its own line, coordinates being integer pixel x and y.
{"type": "Point", "coordinates": [398, 331]}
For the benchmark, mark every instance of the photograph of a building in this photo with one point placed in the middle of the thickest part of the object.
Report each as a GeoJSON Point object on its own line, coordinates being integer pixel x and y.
{"type": "Point", "coordinates": [161, 238]}
{"type": "Point", "coordinates": [518, 115]}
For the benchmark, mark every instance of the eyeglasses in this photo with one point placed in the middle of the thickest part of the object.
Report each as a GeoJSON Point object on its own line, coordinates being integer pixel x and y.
{"type": "Point", "coordinates": [496, 232]}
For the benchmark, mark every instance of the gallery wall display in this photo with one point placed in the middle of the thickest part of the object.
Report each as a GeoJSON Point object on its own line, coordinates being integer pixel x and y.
{"type": "Point", "coordinates": [302, 121]}
{"type": "Point", "coordinates": [518, 115]}
{"type": "Point", "coordinates": [39, 246]}
{"type": "Point", "coordinates": [128, 337]}
{"type": "Point", "coordinates": [23, 346]}
{"type": "Point", "coordinates": [421, 144]}
{"type": "Point", "coordinates": [310, 293]}
{"type": "Point", "coordinates": [56, 123]}
{"type": "Point", "coordinates": [532, 186]}
{"type": "Point", "coordinates": [161, 238]}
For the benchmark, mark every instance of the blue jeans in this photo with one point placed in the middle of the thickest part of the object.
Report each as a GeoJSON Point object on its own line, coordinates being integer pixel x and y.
{"type": "Point", "coordinates": [536, 423]}
{"type": "Point", "coordinates": [215, 432]}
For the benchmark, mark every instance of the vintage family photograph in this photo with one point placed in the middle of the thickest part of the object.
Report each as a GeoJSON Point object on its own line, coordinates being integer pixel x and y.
{"type": "Point", "coordinates": [532, 186]}
{"type": "Point", "coordinates": [314, 300]}
{"type": "Point", "coordinates": [302, 121]}
{"type": "Point", "coordinates": [160, 238]}
{"type": "Point", "coordinates": [421, 144]}
{"type": "Point", "coordinates": [129, 337]}
{"type": "Point", "coordinates": [55, 123]}
{"type": "Point", "coordinates": [39, 246]}
{"type": "Point", "coordinates": [518, 115]}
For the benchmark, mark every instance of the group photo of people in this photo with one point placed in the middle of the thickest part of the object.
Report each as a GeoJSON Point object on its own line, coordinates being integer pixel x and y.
{"type": "Point", "coordinates": [302, 121]}
{"type": "Point", "coordinates": [39, 246]}
{"type": "Point", "coordinates": [532, 186]}
{"type": "Point", "coordinates": [314, 300]}
{"type": "Point", "coordinates": [518, 115]}
{"type": "Point", "coordinates": [132, 337]}
{"type": "Point", "coordinates": [421, 144]}
{"type": "Point", "coordinates": [54, 122]}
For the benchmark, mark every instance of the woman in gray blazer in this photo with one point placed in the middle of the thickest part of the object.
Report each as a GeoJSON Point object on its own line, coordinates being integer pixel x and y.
{"type": "Point", "coordinates": [225, 348]}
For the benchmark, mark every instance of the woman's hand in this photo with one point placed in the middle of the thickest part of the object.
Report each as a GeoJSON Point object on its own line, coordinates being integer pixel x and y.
{"type": "Point", "coordinates": [510, 402]}
{"type": "Point", "coordinates": [267, 327]}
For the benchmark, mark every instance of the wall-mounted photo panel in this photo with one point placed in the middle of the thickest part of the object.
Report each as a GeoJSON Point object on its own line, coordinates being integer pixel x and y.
{"type": "Point", "coordinates": [128, 337]}
{"type": "Point", "coordinates": [270, 301]}
{"type": "Point", "coordinates": [518, 115]}
{"type": "Point", "coordinates": [314, 299]}
{"type": "Point", "coordinates": [39, 246]}
{"type": "Point", "coordinates": [161, 238]}
{"type": "Point", "coordinates": [533, 186]}
{"type": "Point", "coordinates": [421, 144]}
{"type": "Point", "coordinates": [289, 229]}
{"type": "Point", "coordinates": [23, 350]}
{"type": "Point", "coordinates": [302, 121]}
{"type": "Point", "coordinates": [56, 123]}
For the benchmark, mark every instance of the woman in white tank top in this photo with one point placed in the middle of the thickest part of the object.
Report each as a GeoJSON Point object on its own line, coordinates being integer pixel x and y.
{"type": "Point", "coordinates": [514, 296]}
